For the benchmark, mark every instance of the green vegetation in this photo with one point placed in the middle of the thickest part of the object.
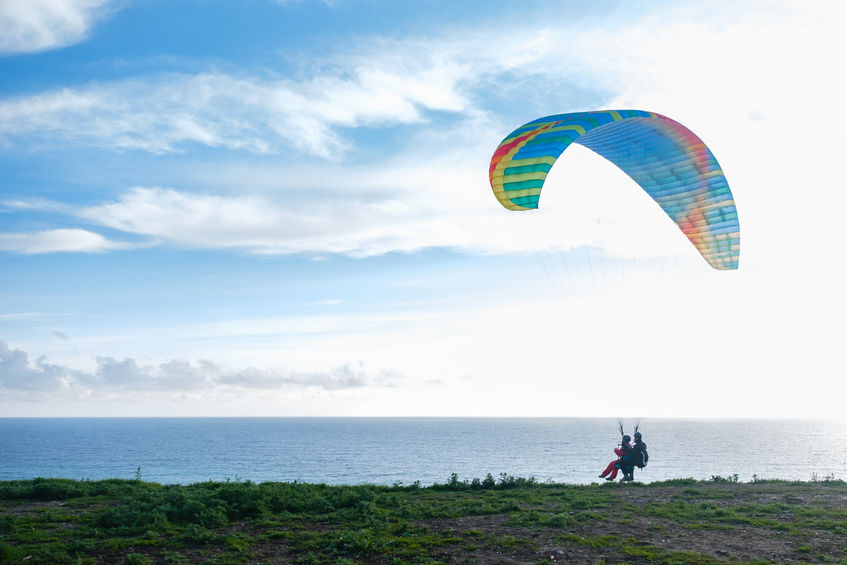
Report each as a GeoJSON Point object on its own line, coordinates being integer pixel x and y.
{"type": "Point", "coordinates": [54, 521]}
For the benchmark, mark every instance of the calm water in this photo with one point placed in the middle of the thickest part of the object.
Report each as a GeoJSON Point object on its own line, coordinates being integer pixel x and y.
{"type": "Point", "coordinates": [385, 451]}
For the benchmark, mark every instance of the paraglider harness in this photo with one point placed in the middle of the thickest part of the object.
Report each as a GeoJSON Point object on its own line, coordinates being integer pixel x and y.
{"type": "Point", "coordinates": [644, 457]}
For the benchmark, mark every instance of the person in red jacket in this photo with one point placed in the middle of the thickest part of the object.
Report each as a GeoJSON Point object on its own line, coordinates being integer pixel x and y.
{"type": "Point", "coordinates": [621, 452]}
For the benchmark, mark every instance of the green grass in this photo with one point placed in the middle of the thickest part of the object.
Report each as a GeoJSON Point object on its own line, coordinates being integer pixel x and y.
{"type": "Point", "coordinates": [55, 521]}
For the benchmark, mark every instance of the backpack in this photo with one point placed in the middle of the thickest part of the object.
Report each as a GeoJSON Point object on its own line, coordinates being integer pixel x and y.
{"type": "Point", "coordinates": [644, 458]}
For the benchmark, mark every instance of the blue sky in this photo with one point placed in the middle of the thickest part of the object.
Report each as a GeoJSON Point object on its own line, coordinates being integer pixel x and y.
{"type": "Point", "coordinates": [282, 209]}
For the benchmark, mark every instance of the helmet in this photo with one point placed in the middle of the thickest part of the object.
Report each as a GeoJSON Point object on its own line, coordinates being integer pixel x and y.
{"type": "Point", "coordinates": [626, 438]}
{"type": "Point", "coordinates": [637, 435]}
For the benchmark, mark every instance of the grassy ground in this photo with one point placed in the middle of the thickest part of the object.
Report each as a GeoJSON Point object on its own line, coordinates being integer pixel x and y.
{"type": "Point", "coordinates": [503, 520]}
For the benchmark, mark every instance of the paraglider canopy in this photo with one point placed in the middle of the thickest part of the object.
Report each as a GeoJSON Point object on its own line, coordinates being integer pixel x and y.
{"type": "Point", "coordinates": [664, 157]}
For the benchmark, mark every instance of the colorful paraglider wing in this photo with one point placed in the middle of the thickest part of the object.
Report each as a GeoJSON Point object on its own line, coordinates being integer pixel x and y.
{"type": "Point", "coordinates": [664, 157]}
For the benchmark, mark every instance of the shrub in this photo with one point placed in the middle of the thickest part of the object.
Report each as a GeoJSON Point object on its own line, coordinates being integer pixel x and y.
{"type": "Point", "coordinates": [55, 489]}
{"type": "Point", "coordinates": [453, 482]}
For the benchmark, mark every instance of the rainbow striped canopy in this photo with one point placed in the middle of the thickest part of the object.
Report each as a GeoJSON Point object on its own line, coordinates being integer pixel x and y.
{"type": "Point", "coordinates": [664, 157]}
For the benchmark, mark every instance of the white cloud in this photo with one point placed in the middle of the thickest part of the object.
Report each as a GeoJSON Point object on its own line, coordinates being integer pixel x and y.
{"type": "Point", "coordinates": [37, 204]}
{"type": "Point", "coordinates": [346, 376]}
{"type": "Point", "coordinates": [255, 223]}
{"type": "Point", "coordinates": [22, 316]}
{"type": "Point", "coordinates": [37, 25]}
{"type": "Point", "coordinates": [19, 375]}
{"type": "Point", "coordinates": [168, 113]}
{"type": "Point", "coordinates": [382, 217]}
{"type": "Point", "coordinates": [57, 241]}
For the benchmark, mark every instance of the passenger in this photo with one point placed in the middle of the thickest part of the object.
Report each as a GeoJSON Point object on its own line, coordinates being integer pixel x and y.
{"type": "Point", "coordinates": [621, 451]}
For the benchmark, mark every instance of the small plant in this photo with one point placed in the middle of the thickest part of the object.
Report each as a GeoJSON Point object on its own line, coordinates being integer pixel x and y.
{"type": "Point", "coordinates": [728, 479]}
{"type": "Point", "coordinates": [136, 559]}
{"type": "Point", "coordinates": [138, 474]}
{"type": "Point", "coordinates": [195, 533]}
{"type": "Point", "coordinates": [7, 553]}
{"type": "Point", "coordinates": [173, 557]}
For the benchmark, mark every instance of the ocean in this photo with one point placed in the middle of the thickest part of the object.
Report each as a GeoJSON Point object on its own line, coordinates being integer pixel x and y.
{"type": "Point", "coordinates": [405, 450]}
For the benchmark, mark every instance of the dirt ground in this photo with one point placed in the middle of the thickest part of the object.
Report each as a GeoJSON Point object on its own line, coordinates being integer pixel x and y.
{"type": "Point", "coordinates": [734, 544]}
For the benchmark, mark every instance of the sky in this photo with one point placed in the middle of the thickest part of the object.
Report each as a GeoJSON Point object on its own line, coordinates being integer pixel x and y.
{"type": "Point", "coordinates": [282, 208]}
